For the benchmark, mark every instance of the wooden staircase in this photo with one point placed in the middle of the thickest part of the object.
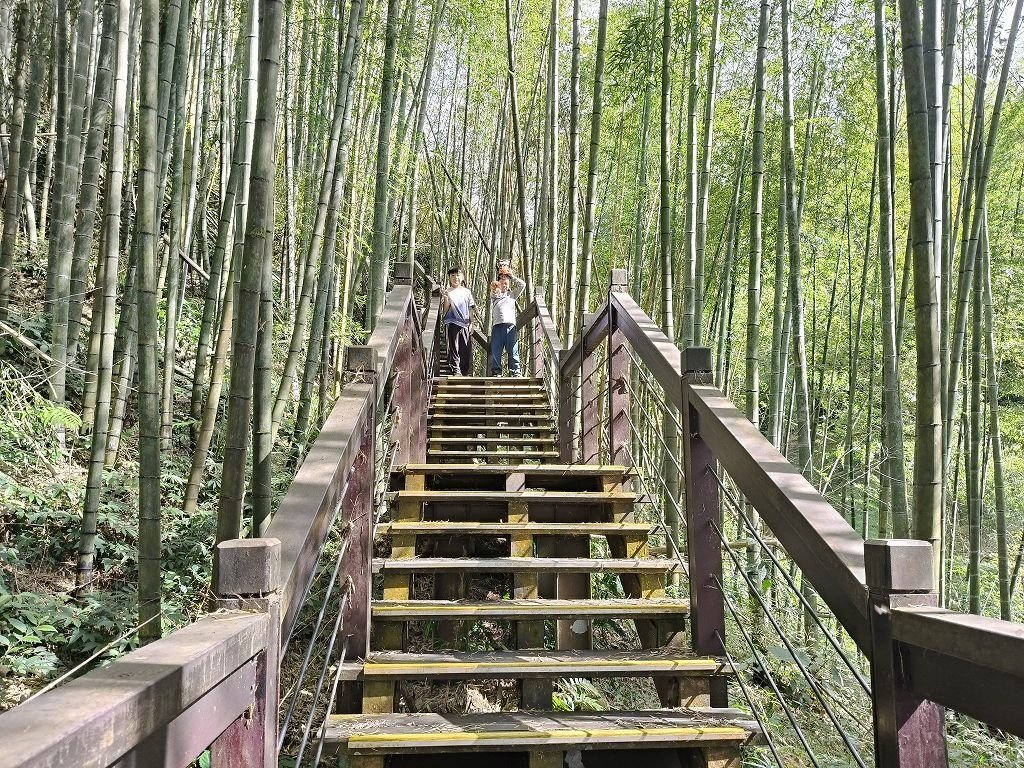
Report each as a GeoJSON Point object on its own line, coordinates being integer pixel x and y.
{"type": "Point", "coordinates": [485, 575]}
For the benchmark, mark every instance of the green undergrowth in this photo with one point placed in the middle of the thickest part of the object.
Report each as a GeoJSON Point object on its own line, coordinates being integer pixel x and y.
{"type": "Point", "coordinates": [46, 626]}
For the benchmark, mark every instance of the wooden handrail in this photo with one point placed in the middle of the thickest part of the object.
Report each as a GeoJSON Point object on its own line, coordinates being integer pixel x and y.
{"type": "Point", "coordinates": [159, 705]}
{"type": "Point", "coordinates": [307, 510]}
{"type": "Point", "coordinates": [973, 664]}
{"type": "Point", "coordinates": [824, 546]}
{"type": "Point", "coordinates": [922, 657]}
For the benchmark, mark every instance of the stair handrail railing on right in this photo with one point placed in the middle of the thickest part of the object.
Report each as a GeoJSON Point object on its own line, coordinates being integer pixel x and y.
{"type": "Point", "coordinates": [922, 657]}
{"type": "Point", "coordinates": [545, 345]}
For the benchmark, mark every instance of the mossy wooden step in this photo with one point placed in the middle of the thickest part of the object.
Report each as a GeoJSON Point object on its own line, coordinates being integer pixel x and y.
{"type": "Point", "coordinates": [519, 665]}
{"type": "Point", "coordinates": [529, 497]}
{"type": "Point", "coordinates": [526, 565]}
{"type": "Point", "coordinates": [532, 731]}
{"type": "Point", "coordinates": [527, 609]}
{"type": "Point", "coordinates": [456, 528]}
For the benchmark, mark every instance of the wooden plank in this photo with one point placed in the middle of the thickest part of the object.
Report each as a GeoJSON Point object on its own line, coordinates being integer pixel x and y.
{"type": "Point", "coordinates": [508, 428]}
{"type": "Point", "coordinates": [505, 396]}
{"type": "Point", "coordinates": [476, 440]}
{"type": "Point", "coordinates": [492, 380]}
{"type": "Point", "coordinates": [92, 721]}
{"type": "Point", "coordinates": [549, 497]}
{"type": "Point", "coordinates": [582, 565]}
{"type": "Point", "coordinates": [428, 528]}
{"type": "Point", "coordinates": [524, 663]}
{"type": "Point", "coordinates": [415, 610]}
{"type": "Point", "coordinates": [530, 469]}
{"type": "Point", "coordinates": [530, 731]}
{"type": "Point", "coordinates": [451, 417]}
{"type": "Point", "coordinates": [487, 406]}
{"type": "Point", "coordinates": [973, 664]}
{"type": "Point", "coordinates": [313, 498]}
{"type": "Point", "coordinates": [494, 454]}
{"type": "Point", "coordinates": [650, 344]}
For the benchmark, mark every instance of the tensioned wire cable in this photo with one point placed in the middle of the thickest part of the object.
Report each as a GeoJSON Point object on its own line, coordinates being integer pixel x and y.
{"type": "Point", "coordinates": [746, 695]}
{"type": "Point", "coordinates": [768, 674]}
{"type": "Point", "coordinates": [793, 586]}
{"type": "Point", "coordinates": [294, 697]}
{"type": "Point", "coordinates": [342, 604]}
{"type": "Point", "coordinates": [811, 681]}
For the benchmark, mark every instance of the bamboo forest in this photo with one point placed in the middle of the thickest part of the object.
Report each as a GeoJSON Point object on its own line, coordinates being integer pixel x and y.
{"type": "Point", "coordinates": [764, 256]}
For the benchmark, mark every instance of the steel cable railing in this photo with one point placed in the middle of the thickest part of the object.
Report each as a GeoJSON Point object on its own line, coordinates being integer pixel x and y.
{"type": "Point", "coordinates": [293, 695]}
{"type": "Point", "coordinates": [765, 732]}
{"type": "Point", "coordinates": [653, 457]}
{"type": "Point", "coordinates": [736, 507]}
{"type": "Point", "coordinates": [812, 682]}
{"type": "Point", "coordinates": [308, 726]}
{"type": "Point", "coordinates": [763, 664]}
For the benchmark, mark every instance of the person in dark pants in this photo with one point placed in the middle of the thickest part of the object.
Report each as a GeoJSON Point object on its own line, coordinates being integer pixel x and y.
{"type": "Point", "coordinates": [456, 309]}
{"type": "Point", "coordinates": [504, 334]}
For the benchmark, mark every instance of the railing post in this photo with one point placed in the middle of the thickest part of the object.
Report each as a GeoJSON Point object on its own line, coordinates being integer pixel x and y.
{"type": "Point", "coordinates": [249, 578]}
{"type": "Point", "coordinates": [618, 379]}
{"type": "Point", "coordinates": [537, 339]}
{"type": "Point", "coordinates": [566, 416]}
{"type": "Point", "coordinates": [590, 427]}
{"type": "Point", "coordinates": [357, 509]}
{"type": "Point", "coordinates": [703, 543]}
{"type": "Point", "coordinates": [909, 731]}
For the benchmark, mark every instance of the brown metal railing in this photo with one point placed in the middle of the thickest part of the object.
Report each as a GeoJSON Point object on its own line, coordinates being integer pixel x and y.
{"type": "Point", "coordinates": [214, 683]}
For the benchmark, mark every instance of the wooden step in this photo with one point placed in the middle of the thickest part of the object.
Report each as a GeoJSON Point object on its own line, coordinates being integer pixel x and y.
{"type": "Point", "coordinates": [529, 731]}
{"type": "Point", "coordinates": [444, 419]}
{"type": "Point", "coordinates": [519, 665]}
{"type": "Point", "coordinates": [489, 428]}
{"type": "Point", "coordinates": [487, 390]}
{"type": "Point", "coordinates": [527, 609]}
{"type": "Point", "coordinates": [564, 470]}
{"type": "Point", "coordinates": [526, 565]}
{"type": "Point", "coordinates": [494, 381]}
{"type": "Point", "coordinates": [546, 497]}
{"type": "Point", "coordinates": [430, 528]}
{"type": "Point", "coordinates": [488, 406]}
{"type": "Point", "coordinates": [493, 454]}
{"type": "Point", "coordinates": [510, 395]}
{"type": "Point", "coordinates": [476, 440]}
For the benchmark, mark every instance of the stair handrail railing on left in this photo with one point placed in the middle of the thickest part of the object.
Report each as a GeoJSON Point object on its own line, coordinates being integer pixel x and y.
{"type": "Point", "coordinates": [213, 684]}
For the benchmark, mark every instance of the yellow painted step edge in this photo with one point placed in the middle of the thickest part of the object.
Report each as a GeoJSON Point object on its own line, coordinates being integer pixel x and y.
{"type": "Point", "coordinates": [723, 732]}
{"type": "Point", "coordinates": [370, 667]}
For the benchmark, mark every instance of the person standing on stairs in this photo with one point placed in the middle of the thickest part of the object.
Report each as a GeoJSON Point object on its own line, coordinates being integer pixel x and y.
{"type": "Point", "coordinates": [456, 309]}
{"type": "Point", "coordinates": [504, 334]}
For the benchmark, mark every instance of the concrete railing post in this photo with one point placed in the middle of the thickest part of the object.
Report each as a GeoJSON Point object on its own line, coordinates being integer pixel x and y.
{"type": "Point", "coordinates": [619, 451]}
{"type": "Point", "coordinates": [703, 514]}
{"type": "Point", "coordinates": [909, 731]}
{"type": "Point", "coordinates": [249, 578]}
